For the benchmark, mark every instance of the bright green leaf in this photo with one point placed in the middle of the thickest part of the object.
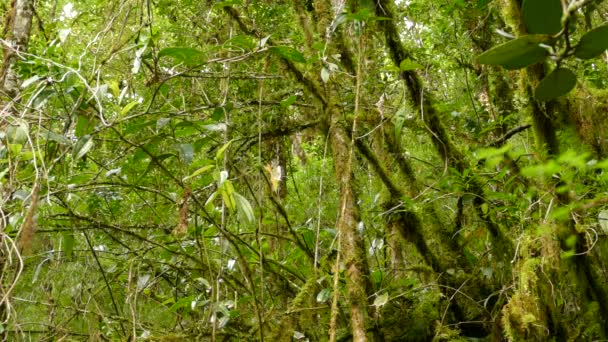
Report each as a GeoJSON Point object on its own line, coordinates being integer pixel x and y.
{"type": "Point", "coordinates": [593, 43]}
{"type": "Point", "coordinates": [517, 53]}
{"type": "Point", "coordinates": [128, 108]}
{"type": "Point", "coordinates": [68, 243]}
{"type": "Point", "coordinates": [289, 101]}
{"type": "Point", "coordinates": [288, 53]}
{"type": "Point", "coordinates": [30, 81]}
{"type": "Point", "coordinates": [219, 156]}
{"type": "Point", "coordinates": [199, 171]}
{"type": "Point", "coordinates": [557, 83]}
{"type": "Point", "coordinates": [185, 55]}
{"type": "Point", "coordinates": [244, 207]}
{"type": "Point", "coordinates": [407, 65]}
{"type": "Point", "coordinates": [83, 145]}
{"type": "Point", "coordinates": [542, 16]}
{"type": "Point", "coordinates": [82, 126]}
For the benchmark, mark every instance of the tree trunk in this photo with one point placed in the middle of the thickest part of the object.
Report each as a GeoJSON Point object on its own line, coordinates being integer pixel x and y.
{"type": "Point", "coordinates": [352, 245]}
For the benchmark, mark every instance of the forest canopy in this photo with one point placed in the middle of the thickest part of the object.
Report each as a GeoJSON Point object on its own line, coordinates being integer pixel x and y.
{"type": "Point", "coordinates": [318, 170]}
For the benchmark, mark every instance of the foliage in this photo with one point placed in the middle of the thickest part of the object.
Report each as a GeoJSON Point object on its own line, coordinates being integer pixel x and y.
{"type": "Point", "coordinates": [315, 170]}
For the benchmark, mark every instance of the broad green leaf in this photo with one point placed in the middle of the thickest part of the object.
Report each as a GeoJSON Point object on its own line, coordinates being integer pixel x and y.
{"type": "Point", "coordinates": [83, 145]}
{"type": "Point", "coordinates": [219, 156]}
{"type": "Point", "coordinates": [407, 65]}
{"type": "Point", "coordinates": [242, 42]}
{"type": "Point", "coordinates": [244, 207]}
{"type": "Point", "coordinates": [517, 53]}
{"type": "Point", "coordinates": [182, 54]}
{"type": "Point", "coordinates": [68, 243]}
{"type": "Point", "coordinates": [217, 127]}
{"type": "Point", "coordinates": [557, 83]}
{"type": "Point", "coordinates": [288, 53]}
{"type": "Point", "coordinates": [114, 88]}
{"type": "Point", "coordinates": [30, 81]}
{"type": "Point", "coordinates": [49, 135]}
{"type": "Point", "coordinates": [17, 134]}
{"type": "Point", "coordinates": [542, 16]}
{"type": "Point", "coordinates": [82, 126]}
{"type": "Point", "coordinates": [289, 101]}
{"type": "Point", "coordinates": [593, 43]}
{"type": "Point", "coordinates": [211, 198]}
{"type": "Point", "coordinates": [199, 171]}
{"type": "Point", "coordinates": [186, 152]}
{"type": "Point", "coordinates": [128, 108]}
{"type": "Point", "coordinates": [228, 198]}
{"type": "Point", "coordinates": [162, 122]}
{"type": "Point", "coordinates": [185, 302]}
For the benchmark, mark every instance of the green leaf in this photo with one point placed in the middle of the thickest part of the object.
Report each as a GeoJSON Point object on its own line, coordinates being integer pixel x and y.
{"type": "Point", "coordinates": [244, 207]}
{"type": "Point", "coordinates": [83, 145]}
{"type": "Point", "coordinates": [219, 156]}
{"type": "Point", "coordinates": [185, 302]}
{"type": "Point", "coordinates": [557, 83]}
{"type": "Point", "coordinates": [52, 136]}
{"type": "Point", "coordinates": [186, 152]}
{"type": "Point", "coordinates": [593, 43]}
{"type": "Point", "coordinates": [199, 171]}
{"type": "Point", "coordinates": [182, 54]}
{"type": "Point", "coordinates": [30, 81]}
{"type": "Point", "coordinates": [407, 65]}
{"type": "Point", "coordinates": [517, 53]}
{"type": "Point", "coordinates": [242, 41]}
{"type": "Point", "coordinates": [542, 16]}
{"type": "Point", "coordinates": [289, 101]}
{"type": "Point", "coordinates": [68, 243]}
{"type": "Point", "coordinates": [82, 126]}
{"type": "Point", "coordinates": [128, 108]}
{"type": "Point", "coordinates": [288, 53]}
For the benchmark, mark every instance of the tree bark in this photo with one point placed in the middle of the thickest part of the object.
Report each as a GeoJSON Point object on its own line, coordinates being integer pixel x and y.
{"type": "Point", "coordinates": [18, 25]}
{"type": "Point", "coordinates": [352, 245]}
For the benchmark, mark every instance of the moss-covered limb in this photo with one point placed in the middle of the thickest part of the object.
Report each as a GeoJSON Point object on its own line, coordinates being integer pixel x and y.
{"type": "Point", "coordinates": [352, 245]}
{"type": "Point", "coordinates": [422, 99]}
{"type": "Point", "coordinates": [410, 226]}
{"type": "Point", "coordinates": [419, 98]}
{"type": "Point", "coordinates": [323, 15]}
{"type": "Point", "coordinates": [544, 126]}
{"type": "Point", "coordinates": [305, 24]}
{"type": "Point", "coordinates": [509, 134]}
{"type": "Point", "coordinates": [587, 110]}
{"type": "Point", "coordinates": [394, 148]}
{"type": "Point", "coordinates": [312, 86]}
{"type": "Point", "coordinates": [547, 138]}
